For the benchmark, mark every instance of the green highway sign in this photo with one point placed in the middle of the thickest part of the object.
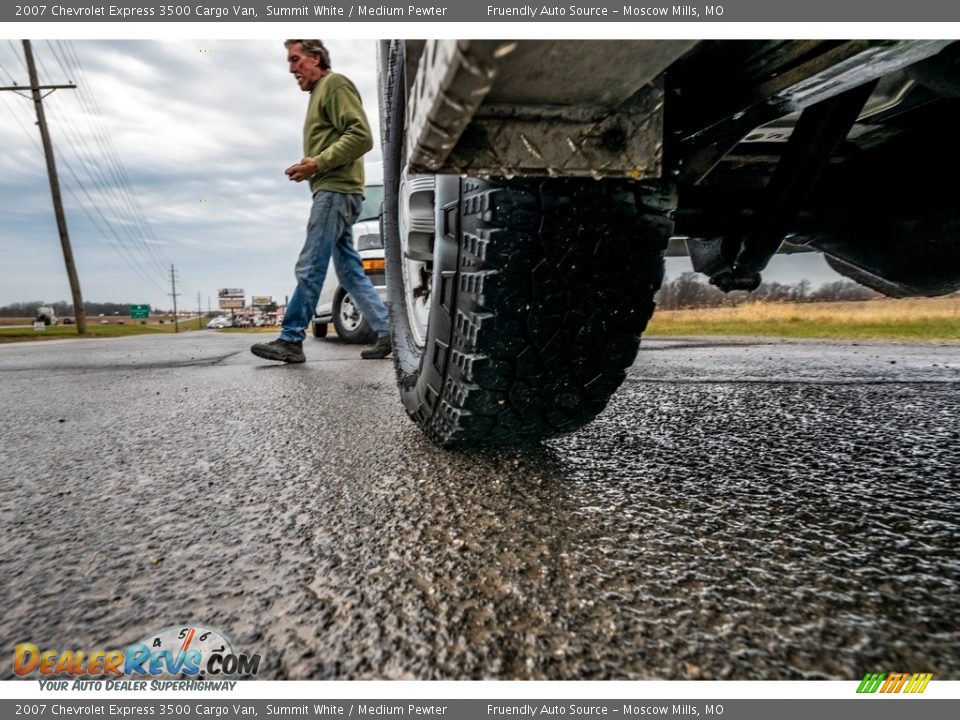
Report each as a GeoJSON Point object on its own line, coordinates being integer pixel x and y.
{"type": "Point", "coordinates": [141, 312]}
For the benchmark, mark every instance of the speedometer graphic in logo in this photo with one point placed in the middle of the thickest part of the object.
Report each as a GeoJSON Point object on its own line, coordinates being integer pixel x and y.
{"type": "Point", "coordinates": [186, 650]}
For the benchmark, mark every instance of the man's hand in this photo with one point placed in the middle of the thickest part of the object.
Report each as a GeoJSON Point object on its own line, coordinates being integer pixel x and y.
{"type": "Point", "coordinates": [302, 170]}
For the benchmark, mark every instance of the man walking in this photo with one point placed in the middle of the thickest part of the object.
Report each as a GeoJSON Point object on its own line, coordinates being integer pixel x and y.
{"type": "Point", "coordinates": [336, 135]}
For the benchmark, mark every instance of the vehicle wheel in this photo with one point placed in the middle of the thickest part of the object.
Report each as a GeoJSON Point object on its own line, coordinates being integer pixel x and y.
{"type": "Point", "coordinates": [319, 329]}
{"type": "Point", "coordinates": [517, 319]}
{"type": "Point", "coordinates": [349, 322]}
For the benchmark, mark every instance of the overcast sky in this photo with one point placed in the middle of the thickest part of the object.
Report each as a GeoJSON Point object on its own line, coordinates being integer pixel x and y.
{"type": "Point", "coordinates": [203, 131]}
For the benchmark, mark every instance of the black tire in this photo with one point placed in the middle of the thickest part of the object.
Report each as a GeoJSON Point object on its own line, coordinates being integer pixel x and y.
{"type": "Point", "coordinates": [540, 291]}
{"type": "Point", "coordinates": [319, 329]}
{"type": "Point", "coordinates": [539, 299]}
{"type": "Point", "coordinates": [358, 331]}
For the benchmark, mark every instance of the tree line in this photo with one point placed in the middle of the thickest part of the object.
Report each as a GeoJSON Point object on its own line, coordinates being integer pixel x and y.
{"type": "Point", "coordinates": [690, 290]}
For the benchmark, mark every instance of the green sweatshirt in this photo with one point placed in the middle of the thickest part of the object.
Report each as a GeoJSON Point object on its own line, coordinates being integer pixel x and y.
{"type": "Point", "coordinates": [336, 135]}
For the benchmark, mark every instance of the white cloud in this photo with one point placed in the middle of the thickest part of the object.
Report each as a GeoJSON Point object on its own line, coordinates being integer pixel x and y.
{"type": "Point", "coordinates": [203, 129]}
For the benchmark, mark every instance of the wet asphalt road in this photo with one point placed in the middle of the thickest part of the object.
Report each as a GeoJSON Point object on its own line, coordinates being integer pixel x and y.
{"type": "Point", "coordinates": [748, 510]}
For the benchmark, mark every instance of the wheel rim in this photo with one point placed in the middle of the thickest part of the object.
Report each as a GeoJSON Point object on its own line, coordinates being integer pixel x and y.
{"type": "Point", "coordinates": [350, 316]}
{"type": "Point", "coordinates": [417, 220]}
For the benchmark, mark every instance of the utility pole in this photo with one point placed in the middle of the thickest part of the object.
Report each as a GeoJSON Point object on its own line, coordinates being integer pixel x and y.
{"type": "Point", "coordinates": [173, 282]}
{"type": "Point", "coordinates": [199, 313]}
{"type": "Point", "coordinates": [35, 88]}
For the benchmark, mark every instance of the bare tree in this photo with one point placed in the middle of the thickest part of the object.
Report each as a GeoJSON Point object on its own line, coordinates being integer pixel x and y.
{"type": "Point", "coordinates": [690, 290]}
{"type": "Point", "coordinates": [841, 290]}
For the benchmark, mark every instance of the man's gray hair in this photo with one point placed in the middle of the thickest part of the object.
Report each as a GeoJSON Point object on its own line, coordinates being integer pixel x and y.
{"type": "Point", "coordinates": [315, 48]}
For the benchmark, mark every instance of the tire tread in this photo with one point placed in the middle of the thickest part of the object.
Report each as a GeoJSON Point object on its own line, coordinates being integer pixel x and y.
{"type": "Point", "coordinates": [554, 284]}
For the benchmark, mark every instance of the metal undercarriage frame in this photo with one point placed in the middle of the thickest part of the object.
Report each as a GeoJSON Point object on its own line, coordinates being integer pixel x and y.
{"type": "Point", "coordinates": [829, 82]}
{"type": "Point", "coordinates": [646, 109]}
{"type": "Point", "coordinates": [818, 132]}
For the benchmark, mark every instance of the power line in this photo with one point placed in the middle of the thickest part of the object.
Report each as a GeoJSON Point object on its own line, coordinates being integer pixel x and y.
{"type": "Point", "coordinates": [109, 192]}
{"type": "Point", "coordinates": [42, 66]}
{"type": "Point", "coordinates": [119, 245]}
{"type": "Point", "coordinates": [94, 118]}
{"type": "Point", "coordinates": [66, 73]}
{"type": "Point", "coordinates": [22, 126]}
{"type": "Point", "coordinates": [7, 73]}
{"type": "Point", "coordinates": [121, 184]}
{"type": "Point", "coordinates": [16, 54]}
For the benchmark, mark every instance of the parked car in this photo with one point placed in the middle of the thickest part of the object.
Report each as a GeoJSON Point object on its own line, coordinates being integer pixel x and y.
{"type": "Point", "coordinates": [218, 323]}
{"type": "Point", "coordinates": [335, 303]}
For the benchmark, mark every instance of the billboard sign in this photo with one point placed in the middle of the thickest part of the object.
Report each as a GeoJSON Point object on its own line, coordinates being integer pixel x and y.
{"type": "Point", "coordinates": [259, 300]}
{"type": "Point", "coordinates": [231, 303]}
{"type": "Point", "coordinates": [230, 292]}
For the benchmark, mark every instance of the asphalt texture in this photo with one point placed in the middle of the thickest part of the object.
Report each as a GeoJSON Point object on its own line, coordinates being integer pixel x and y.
{"type": "Point", "coordinates": [743, 509]}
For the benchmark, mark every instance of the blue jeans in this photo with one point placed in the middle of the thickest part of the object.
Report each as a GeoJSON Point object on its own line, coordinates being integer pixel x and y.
{"type": "Point", "coordinates": [329, 233]}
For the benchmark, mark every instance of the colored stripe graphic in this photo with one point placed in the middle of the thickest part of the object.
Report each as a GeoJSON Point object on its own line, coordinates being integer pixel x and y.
{"type": "Point", "coordinates": [871, 682]}
{"type": "Point", "coordinates": [894, 682]}
{"type": "Point", "coordinates": [919, 683]}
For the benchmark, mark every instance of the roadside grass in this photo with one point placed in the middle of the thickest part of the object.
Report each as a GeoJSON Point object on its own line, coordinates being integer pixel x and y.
{"type": "Point", "coordinates": [112, 329]}
{"type": "Point", "coordinates": [94, 330]}
{"type": "Point", "coordinates": [911, 319]}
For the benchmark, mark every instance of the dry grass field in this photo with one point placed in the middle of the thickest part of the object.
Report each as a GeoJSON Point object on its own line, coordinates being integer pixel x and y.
{"type": "Point", "coordinates": [932, 319]}
{"type": "Point", "coordinates": [911, 319]}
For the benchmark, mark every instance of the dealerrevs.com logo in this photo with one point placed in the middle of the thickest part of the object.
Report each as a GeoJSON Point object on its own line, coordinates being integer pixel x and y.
{"type": "Point", "coordinates": [894, 683]}
{"type": "Point", "coordinates": [182, 651]}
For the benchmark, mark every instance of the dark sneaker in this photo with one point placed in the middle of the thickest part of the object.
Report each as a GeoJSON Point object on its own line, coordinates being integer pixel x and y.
{"type": "Point", "coordinates": [379, 351]}
{"type": "Point", "coordinates": [280, 350]}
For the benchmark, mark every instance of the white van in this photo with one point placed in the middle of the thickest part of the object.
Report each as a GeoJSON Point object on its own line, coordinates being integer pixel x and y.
{"type": "Point", "coordinates": [335, 304]}
{"type": "Point", "coordinates": [47, 316]}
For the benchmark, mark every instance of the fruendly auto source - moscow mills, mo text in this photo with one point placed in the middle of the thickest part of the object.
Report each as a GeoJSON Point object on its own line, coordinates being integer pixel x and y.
{"type": "Point", "coordinates": [587, 11]}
